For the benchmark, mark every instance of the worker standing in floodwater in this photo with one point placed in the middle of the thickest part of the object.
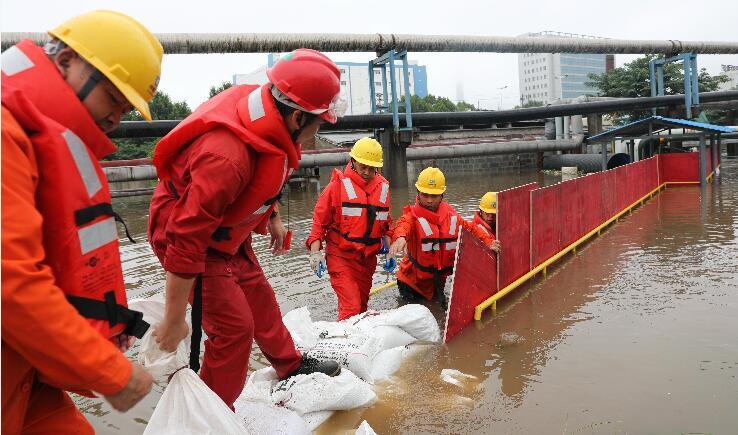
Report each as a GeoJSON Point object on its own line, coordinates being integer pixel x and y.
{"type": "Point", "coordinates": [222, 171]}
{"type": "Point", "coordinates": [61, 271]}
{"type": "Point", "coordinates": [486, 218]}
{"type": "Point", "coordinates": [427, 233]}
{"type": "Point", "coordinates": [352, 216]}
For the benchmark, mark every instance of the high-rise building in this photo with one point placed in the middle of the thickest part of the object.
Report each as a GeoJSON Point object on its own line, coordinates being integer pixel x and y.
{"type": "Point", "coordinates": [355, 82]}
{"type": "Point", "coordinates": [547, 77]}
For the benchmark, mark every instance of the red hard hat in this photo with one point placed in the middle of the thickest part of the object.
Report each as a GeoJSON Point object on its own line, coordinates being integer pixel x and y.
{"type": "Point", "coordinates": [310, 80]}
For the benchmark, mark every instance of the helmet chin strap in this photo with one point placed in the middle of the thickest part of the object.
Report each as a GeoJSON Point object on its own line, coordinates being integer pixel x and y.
{"type": "Point", "coordinates": [90, 84]}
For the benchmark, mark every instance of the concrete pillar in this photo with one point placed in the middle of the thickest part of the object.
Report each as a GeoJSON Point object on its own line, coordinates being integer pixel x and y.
{"type": "Point", "coordinates": [567, 127]}
{"type": "Point", "coordinates": [568, 173]}
{"type": "Point", "coordinates": [550, 129]}
{"type": "Point", "coordinates": [732, 149]}
{"type": "Point", "coordinates": [703, 161]}
{"type": "Point", "coordinates": [577, 128]}
{"type": "Point", "coordinates": [604, 156]}
{"type": "Point", "coordinates": [395, 159]}
{"type": "Point", "coordinates": [631, 150]}
{"type": "Point", "coordinates": [594, 123]}
{"type": "Point", "coordinates": [559, 122]}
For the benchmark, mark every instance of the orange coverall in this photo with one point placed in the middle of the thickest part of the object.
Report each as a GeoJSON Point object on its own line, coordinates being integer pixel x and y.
{"type": "Point", "coordinates": [47, 346]}
{"type": "Point", "coordinates": [407, 273]}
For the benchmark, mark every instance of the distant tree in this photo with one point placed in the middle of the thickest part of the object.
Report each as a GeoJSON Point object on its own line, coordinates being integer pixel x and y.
{"type": "Point", "coordinates": [161, 107]}
{"type": "Point", "coordinates": [215, 90]}
{"type": "Point", "coordinates": [531, 103]}
{"type": "Point", "coordinates": [632, 80]}
{"type": "Point", "coordinates": [463, 106]}
{"type": "Point", "coordinates": [432, 103]}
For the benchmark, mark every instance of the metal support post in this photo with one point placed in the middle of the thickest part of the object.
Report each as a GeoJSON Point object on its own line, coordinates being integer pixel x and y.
{"type": "Point", "coordinates": [703, 161]}
{"type": "Point", "coordinates": [714, 155]}
{"type": "Point", "coordinates": [604, 156]}
{"type": "Point", "coordinates": [395, 159]}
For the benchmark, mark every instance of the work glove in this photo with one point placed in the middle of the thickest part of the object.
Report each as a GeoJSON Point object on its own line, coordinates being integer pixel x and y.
{"type": "Point", "coordinates": [389, 264]}
{"type": "Point", "coordinates": [317, 263]}
{"type": "Point", "coordinates": [385, 247]}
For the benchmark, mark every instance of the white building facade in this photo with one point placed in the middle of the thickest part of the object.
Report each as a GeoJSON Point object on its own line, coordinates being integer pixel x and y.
{"type": "Point", "coordinates": [731, 72]}
{"type": "Point", "coordinates": [546, 77]}
{"type": "Point", "coordinates": [355, 82]}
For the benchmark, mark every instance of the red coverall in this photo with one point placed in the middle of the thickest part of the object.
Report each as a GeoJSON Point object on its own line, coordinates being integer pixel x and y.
{"type": "Point", "coordinates": [238, 303]}
{"type": "Point", "coordinates": [350, 270]}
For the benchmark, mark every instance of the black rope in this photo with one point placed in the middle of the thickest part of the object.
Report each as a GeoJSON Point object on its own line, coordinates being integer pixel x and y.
{"type": "Point", "coordinates": [196, 325]}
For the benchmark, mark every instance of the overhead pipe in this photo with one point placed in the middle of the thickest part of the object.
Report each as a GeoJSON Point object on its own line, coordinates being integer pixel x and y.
{"type": "Point", "coordinates": [446, 152]}
{"type": "Point", "coordinates": [384, 120]}
{"type": "Point", "coordinates": [189, 43]}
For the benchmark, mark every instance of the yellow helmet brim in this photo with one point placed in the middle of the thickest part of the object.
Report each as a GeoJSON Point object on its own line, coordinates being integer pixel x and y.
{"type": "Point", "coordinates": [430, 191]}
{"type": "Point", "coordinates": [368, 162]}
{"type": "Point", "coordinates": [488, 210]}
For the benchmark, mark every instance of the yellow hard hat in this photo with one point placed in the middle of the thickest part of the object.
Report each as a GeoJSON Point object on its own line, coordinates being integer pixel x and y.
{"type": "Point", "coordinates": [367, 151]}
{"type": "Point", "coordinates": [431, 181]}
{"type": "Point", "coordinates": [120, 48]}
{"type": "Point", "coordinates": [488, 204]}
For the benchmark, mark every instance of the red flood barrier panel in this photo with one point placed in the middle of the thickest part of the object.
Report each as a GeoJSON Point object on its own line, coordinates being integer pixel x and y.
{"type": "Point", "coordinates": [609, 195]}
{"type": "Point", "coordinates": [513, 231]}
{"type": "Point", "coordinates": [590, 188]}
{"type": "Point", "coordinates": [571, 213]}
{"type": "Point", "coordinates": [545, 217]}
{"type": "Point", "coordinates": [473, 281]}
{"type": "Point", "coordinates": [621, 188]}
{"type": "Point", "coordinates": [679, 167]}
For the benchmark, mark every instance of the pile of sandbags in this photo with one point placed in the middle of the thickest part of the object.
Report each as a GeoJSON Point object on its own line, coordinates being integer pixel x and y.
{"type": "Point", "coordinates": [370, 347]}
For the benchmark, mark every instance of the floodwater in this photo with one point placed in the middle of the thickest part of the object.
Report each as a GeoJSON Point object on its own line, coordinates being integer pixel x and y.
{"type": "Point", "coordinates": [635, 333]}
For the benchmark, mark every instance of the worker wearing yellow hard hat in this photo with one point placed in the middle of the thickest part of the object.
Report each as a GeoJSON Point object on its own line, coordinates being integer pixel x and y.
{"type": "Point", "coordinates": [486, 217]}
{"type": "Point", "coordinates": [427, 233]}
{"type": "Point", "coordinates": [352, 217]}
{"type": "Point", "coordinates": [60, 261]}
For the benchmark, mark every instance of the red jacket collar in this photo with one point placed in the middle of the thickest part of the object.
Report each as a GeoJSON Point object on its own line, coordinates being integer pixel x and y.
{"type": "Point", "coordinates": [367, 186]}
{"type": "Point", "coordinates": [433, 217]}
{"type": "Point", "coordinates": [270, 126]}
{"type": "Point", "coordinates": [45, 89]}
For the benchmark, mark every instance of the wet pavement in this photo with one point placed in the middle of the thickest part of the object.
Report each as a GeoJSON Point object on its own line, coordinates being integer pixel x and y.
{"type": "Point", "coordinates": [637, 332]}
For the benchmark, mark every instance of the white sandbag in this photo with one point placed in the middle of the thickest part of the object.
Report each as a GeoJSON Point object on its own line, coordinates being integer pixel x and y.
{"type": "Point", "coordinates": [188, 406]}
{"type": "Point", "coordinates": [159, 364]}
{"type": "Point", "coordinates": [455, 377]}
{"type": "Point", "coordinates": [309, 393]}
{"type": "Point", "coordinates": [389, 337]}
{"type": "Point", "coordinates": [352, 351]}
{"type": "Point", "coordinates": [387, 362]}
{"type": "Point", "coordinates": [416, 320]}
{"type": "Point", "coordinates": [300, 325]}
{"type": "Point", "coordinates": [365, 429]}
{"type": "Point", "coordinates": [314, 419]}
{"type": "Point", "coordinates": [267, 419]}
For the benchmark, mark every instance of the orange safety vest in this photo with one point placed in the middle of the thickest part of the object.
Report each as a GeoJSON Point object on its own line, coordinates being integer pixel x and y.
{"type": "Point", "coordinates": [361, 211]}
{"type": "Point", "coordinates": [79, 233]}
{"type": "Point", "coordinates": [481, 223]}
{"type": "Point", "coordinates": [250, 113]}
{"type": "Point", "coordinates": [435, 239]}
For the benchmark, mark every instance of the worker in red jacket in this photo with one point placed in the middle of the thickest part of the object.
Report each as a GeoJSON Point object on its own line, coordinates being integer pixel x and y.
{"type": "Point", "coordinates": [427, 233]}
{"type": "Point", "coordinates": [65, 321]}
{"type": "Point", "coordinates": [221, 173]}
{"type": "Point", "coordinates": [352, 216]}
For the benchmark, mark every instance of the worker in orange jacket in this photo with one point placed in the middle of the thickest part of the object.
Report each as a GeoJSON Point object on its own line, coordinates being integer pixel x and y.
{"type": "Point", "coordinates": [65, 321]}
{"type": "Point", "coordinates": [352, 216]}
{"type": "Point", "coordinates": [486, 217]}
{"type": "Point", "coordinates": [427, 234]}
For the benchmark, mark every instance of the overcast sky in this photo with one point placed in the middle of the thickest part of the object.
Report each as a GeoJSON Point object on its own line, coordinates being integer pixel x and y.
{"type": "Point", "coordinates": [189, 76]}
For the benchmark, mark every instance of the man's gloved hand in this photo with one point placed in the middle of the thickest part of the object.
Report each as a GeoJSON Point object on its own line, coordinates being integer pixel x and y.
{"type": "Point", "coordinates": [317, 263]}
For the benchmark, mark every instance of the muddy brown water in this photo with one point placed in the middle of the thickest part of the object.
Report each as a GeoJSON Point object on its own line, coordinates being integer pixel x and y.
{"type": "Point", "coordinates": [636, 333]}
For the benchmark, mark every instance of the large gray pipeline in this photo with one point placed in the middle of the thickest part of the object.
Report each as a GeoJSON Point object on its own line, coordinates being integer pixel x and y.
{"type": "Point", "coordinates": [586, 163]}
{"type": "Point", "coordinates": [447, 152]}
{"type": "Point", "coordinates": [346, 42]}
